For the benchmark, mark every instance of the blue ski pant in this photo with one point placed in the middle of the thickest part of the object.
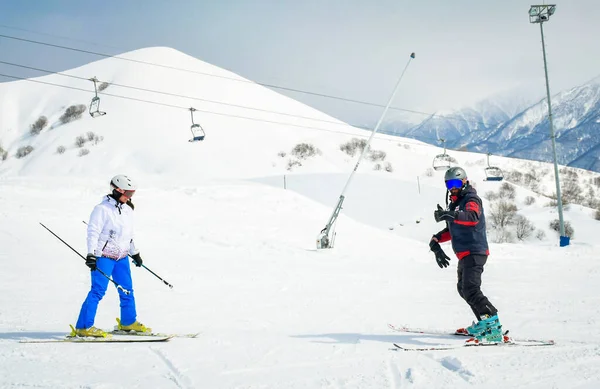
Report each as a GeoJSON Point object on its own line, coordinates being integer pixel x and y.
{"type": "Point", "coordinates": [121, 274]}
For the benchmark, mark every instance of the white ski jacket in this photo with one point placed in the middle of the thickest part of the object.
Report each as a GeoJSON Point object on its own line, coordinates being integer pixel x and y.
{"type": "Point", "coordinates": [110, 230]}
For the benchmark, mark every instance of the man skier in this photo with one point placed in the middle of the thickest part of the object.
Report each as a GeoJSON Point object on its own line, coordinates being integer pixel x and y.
{"type": "Point", "coordinates": [465, 227]}
{"type": "Point", "coordinates": [109, 242]}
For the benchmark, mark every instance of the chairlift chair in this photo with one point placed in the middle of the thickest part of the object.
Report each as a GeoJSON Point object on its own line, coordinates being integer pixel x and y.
{"type": "Point", "coordinates": [442, 161]}
{"type": "Point", "coordinates": [95, 103]}
{"type": "Point", "coordinates": [198, 133]}
{"type": "Point", "coordinates": [493, 173]}
{"type": "Point", "coordinates": [95, 108]}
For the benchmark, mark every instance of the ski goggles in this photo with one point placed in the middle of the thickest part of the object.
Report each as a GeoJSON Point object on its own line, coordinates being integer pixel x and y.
{"type": "Point", "coordinates": [128, 193]}
{"type": "Point", "coordinates": [454, 184]}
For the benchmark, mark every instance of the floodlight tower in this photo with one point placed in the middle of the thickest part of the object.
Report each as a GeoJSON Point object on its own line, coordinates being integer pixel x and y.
{"type": "Point", "coordinates": [540, 14]}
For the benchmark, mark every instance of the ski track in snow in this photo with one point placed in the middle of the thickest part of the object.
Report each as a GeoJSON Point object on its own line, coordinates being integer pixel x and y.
{"type": "Point", "coordinates": [394, 375]}
{"type": "Point", "coordinates": [174, 374]}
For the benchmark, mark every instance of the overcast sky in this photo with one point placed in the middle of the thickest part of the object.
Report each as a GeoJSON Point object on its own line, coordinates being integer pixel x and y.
{"type": "Point", "coordinates": [465, 49]}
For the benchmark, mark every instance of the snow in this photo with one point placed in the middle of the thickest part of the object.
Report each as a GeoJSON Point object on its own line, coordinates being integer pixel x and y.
{"type": "Point", "coordinates": [214, 220]}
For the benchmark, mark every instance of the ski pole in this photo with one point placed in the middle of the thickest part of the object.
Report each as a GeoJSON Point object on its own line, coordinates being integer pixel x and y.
{"type": "Point", "coordinates": [144, 266]}
{"type": "Point", "coordinates": [98, 270]}
{"type": "Point", "coordinates": [156, 275]}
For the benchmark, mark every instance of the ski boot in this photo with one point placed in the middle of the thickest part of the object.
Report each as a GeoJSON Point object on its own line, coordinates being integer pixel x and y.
{"type": "Point", "coordinates": [486, 322]}
{"type": "Point", "coordinates": [487, 330]}
{"type": "Point", "coordinates": [135, 327]}
{"type": "Point", "coordinates": [85, 332]}
{"type": "Point", "coordinates": [491, 335]}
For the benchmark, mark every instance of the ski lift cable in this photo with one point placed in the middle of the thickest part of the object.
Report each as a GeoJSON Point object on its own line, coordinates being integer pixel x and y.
{"type": "Point", "coordinates": [198, 110]}
{"type": "Point", "coordinates": [61, 37]}
{"type": "Point", "coordinates": [323, 239]}
{"type": "Point", "coordinates": [178, 95]}
{"type": "Point", "coordinates": [404, 139]}
{"type": "Point", "coordinates": [239, 80]}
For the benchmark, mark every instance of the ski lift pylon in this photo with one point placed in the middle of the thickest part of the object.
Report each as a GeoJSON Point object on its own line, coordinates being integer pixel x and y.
{"type": "Point", "coordinates": [198, 133]}
{"type": "Point", "coordinates": [493, 173]}
{"type": "Point", "coordinates": [95, 103]}
{"type": "Point", "coordinates": [442, 161]}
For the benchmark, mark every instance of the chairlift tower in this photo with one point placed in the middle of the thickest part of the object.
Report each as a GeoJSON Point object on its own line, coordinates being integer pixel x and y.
{"type": "Point", "coordinates": [540, 14]}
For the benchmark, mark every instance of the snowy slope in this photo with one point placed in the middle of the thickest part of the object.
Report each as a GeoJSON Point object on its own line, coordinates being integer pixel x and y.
{"type": "Point", "coordinates": [214, 220]}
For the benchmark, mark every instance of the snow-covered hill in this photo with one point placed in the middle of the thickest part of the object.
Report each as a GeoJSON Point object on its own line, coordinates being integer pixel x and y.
{"type": "Point", "coordinates": [213, 218]}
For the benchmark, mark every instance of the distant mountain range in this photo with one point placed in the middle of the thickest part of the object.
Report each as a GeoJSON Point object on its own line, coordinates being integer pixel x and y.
{"type": "Point", "coordinates": [519, 127]}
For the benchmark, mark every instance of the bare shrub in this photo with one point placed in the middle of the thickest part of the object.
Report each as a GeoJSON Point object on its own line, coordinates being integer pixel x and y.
{"type": "Point", "coordinates": [507, 191]}
{"type": "Point", "coordinates": [93, 137]}
{"type": "Point", "coordinates": [80, 141]}
{"type": "Point", "coordinates": [596, 181]}
{"type": "Point", "coordinates": [570, 189]}
{"type": "Point", "coordinates": [555, 225]}
{"type": "Point", "coordinates": [540, 234]}
{"type": "Point", "coordinates": [304, 150]}
{"type": "Point", "coordinates": [24, 151]}
{"type": "Point", "coordinates": [281, 154]}
{"type": "Point", "coordinates": [97, 139]}
{"type": "Point", "coordinates": [61, 150]}
{"type": "Point", "coordinates": [529, 200]}
{"type": "Point", "coordinates": [429, 172]}
{"type": "Point", "coordinates": [524, 227]}
{"type": "Point", "coordinates": [377, 166]}
{"type": "Point", "coordinates": [407, 147]}
{"type": "Point", "coordinates": [103, 86]}
{"type": "Point", "coordinates": [503, 235]}
{"type": "Point", "coordinates": [491, 195]}
{"type": "Point", "coordinates": [377, 155]}
{"type": "Point", "coordinates": [293, 163]}
{"type": "Point", "coordinates": [3, 154]}
{"type": "Point", "coordinates": [38, 126]}
{"type": "Point", "coordinates": [591, 200]}
{"type": "Point", "coordinates": [72, 113]}
{"type": "Point", "coordinates": [83, 152]}
{"type": "Point", "coordinates": [514, 176]}
{"type": "Point", "coordinates": [502, 214]}
{"type": "Point", "coordinates": [388, 167]}
{"type": "Point", "coordinates": [597, 214]}
{"type": "Point", "coordinates": [354, 145]}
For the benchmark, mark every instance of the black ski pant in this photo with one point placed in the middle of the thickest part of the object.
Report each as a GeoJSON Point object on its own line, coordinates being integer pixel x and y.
{"type": "Point", "coordinates": [470, 269]}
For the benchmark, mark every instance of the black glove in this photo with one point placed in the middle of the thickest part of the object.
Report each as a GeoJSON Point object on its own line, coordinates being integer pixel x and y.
{"type": "Point", "coordinates": [441, 215]}
{"type": "Point", "coordinates": [137, 260]}
{"type": "Point", "coordinates": [440, 256]}
{"type": "Point", "coordinates": [90, 261]}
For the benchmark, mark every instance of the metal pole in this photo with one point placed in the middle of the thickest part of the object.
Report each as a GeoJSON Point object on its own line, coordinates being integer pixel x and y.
{"type": "Point", "coordinates": [97, 269]}
{"type": "Point", "coordinates": [323, 240]}
{"type": "Point", "coordinates": [419, 184]}
{"type": "Point", "coordinates": [552, 137]}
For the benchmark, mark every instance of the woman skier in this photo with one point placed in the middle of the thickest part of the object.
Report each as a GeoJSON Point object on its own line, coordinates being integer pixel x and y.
{"type": "Point", "coordinates": [109, 242]}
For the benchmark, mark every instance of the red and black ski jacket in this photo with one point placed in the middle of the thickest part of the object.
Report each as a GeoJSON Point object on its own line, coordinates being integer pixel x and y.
{"type": "Point", "coordinates": [467, 230]}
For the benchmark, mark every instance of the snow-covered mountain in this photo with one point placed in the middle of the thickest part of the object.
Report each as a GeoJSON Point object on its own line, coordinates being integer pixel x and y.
{"type": "Point", "coordinates": [576, 114]}
{"type": "Point", "coordinates": [522, 131]}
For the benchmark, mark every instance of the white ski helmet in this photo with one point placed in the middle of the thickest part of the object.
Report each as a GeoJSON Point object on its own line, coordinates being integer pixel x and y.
{"type": "Point", "coordinates": [123, 182]}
